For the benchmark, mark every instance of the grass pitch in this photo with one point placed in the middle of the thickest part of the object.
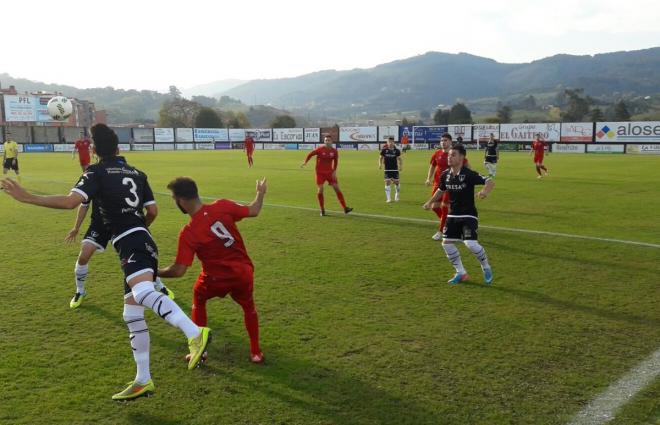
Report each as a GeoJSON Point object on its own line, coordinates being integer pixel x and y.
{"type": "Point", "coordinates": [357, 323]}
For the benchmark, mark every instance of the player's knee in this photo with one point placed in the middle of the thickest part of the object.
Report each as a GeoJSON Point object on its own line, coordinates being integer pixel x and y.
{"type": "Point", "coordinates": [472, 245]}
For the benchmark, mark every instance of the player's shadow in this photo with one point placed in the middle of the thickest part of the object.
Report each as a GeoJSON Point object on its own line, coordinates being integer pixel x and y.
{"type": "Point", "coordinates": [559, 255]}
{"type": "Point", "coordinates": [304, 385]}
{"type": "Point", "coordinates": [563, 305]}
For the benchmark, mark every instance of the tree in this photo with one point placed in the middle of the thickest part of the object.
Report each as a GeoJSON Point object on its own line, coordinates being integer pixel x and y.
{"type": "Point", "coordinates": [460, 114]}
{"type": "Point", "coordinates": [441, 117]}
{"type": "Point", "coordinates": [209, 102]}
{"type": "Point", "coordinates": [504, 114]}
{"type": "Point", "coordinates": [235, 120]}
{"type": "Point", "coordinates": [175, 92]}
{"type": "Point", "coordinates": [621, 111]}
{"type": "Point", "coordinates": [208, 118]}
{"type": "Point", "coordinates": [178, 112]}
{"type": "Point", "coordinates": [597, 115]}
{"type": "Point", "coordinates": [283, 121]}
{"type": "Point", "coordinates": [424, 114]}
{"type": "Point", "coordinates": [578, 106]}
{"type": "Point", "coordinates": [529, 102]}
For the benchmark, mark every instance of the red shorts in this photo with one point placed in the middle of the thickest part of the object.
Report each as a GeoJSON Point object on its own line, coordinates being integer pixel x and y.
{"type": "Point", "coordinates": [538, 158]}
{"type": "Point", "coordinates": [325, 177]}
{"type": "Point", "coordinates": [240, 287]}
{"type": "Point", "coordinates": [249, 151]}
{"type": "Point", "coordinates": [84, 161]}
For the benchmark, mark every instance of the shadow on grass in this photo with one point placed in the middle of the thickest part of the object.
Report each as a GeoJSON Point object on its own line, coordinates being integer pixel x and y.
{"type": "Point", "coordinates": [324, 391]}
{"type": "Point", "coordinates": [570, 306]}
{"type": "Point", "coordinates": [299, 384]}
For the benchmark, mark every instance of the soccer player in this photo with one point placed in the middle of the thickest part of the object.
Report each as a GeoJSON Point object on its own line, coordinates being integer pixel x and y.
{"type": "Point", "coordinates": [249, 148]}
{"type": "Point", "coordinates": [538, 148]}
{"type": "Point", "coordinates": [391, 156]}
{"type": "Point", "coordinates": [96, 239]}
{"type": "Point", "coordinates": [123, 193]}
{"type": "Point", "coordinates": [213, 236]}
{"type": "Point", "coordinates": [491, 155]}
{"type": "Point", "coordinates": [462, 221]}
{"type": "Point", "coordinates": [405, 142]}
{"type": "Point", "coordinates": [327, 159]}
{"type": "Point", "coordinates": [438, 165]}
{"type": "Point", "coordinates": [82, 146]}
{"type": "Point", "coordinates": [10, 157]}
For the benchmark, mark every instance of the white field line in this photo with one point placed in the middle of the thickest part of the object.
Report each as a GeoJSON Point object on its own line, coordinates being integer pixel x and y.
{"type": "Point", "coordinates": [603, 408]}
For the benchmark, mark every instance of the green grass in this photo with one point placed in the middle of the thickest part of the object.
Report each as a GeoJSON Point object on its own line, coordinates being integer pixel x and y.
{"type": "Point", "coordinates": [357, 322]}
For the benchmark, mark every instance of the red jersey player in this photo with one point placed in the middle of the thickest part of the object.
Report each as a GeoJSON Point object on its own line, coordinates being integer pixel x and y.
{"type": "Point", "coordinates": [249, 148]}
{"type": "Point", "coordinates": [213, 236]}
{"type": "Point", "coordinates": [438, 165]}
{"type": "Point", "coordinates": [538, 148]}
{"type": "Point", "coordinates": [327, 159]}
{"type": "Point", "coordinates": [82, 146]}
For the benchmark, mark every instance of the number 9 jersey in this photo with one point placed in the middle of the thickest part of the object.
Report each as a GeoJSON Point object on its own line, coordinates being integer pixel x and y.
{"type": "Point", "coordinates": [212, 235]}
{"type": "Point", "coordinates": [121, 192]}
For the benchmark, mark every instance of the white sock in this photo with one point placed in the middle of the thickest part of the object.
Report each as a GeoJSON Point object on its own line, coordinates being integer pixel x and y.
{"type": "Point", "coordinates": [81, 275]}
{"type": "Point", "coordinates": [478, 252]}
{"type": "Point", "coordinates": [145, 294]}
{"type": "Point", "coordinates": [388, 192]}
{"type": "Point", "coordinates": [158, 284]}
{"type": "Point", "coordinates": [398, 188]}
{"type": "Point", "coordinates": [493, 169]}
{"type": "Point", "coordinates": [140, 340]}
{"type": "Point", "coordinates": [454, 257]}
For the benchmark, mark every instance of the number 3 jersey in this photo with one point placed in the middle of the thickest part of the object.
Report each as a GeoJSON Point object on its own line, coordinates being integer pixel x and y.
{"type": "Point", "coordinates": [121, 193]}
{"type": "Point", "coordinates": [212, 235]}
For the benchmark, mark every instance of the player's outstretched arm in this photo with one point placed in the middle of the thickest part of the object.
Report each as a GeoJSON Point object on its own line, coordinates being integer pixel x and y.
{"type": "Point", "coordinates": [429, 176]}
{"type": "Point", "coordinates": [255, 206]}
{"type": "Point", "coordinates": [488, 187]}
{"type": "Point", "coordinates": [63, 202]}
{"type": "Point", "coordinates": [432, 203]}
{"type": "Point", "coordinates": [80, 217]}
{"type": "Point", "coordinates": [173, 270]}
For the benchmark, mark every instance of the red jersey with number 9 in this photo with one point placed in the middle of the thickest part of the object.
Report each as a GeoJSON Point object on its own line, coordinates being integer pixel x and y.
{"type": "Point", "coordinates": [212, 235]}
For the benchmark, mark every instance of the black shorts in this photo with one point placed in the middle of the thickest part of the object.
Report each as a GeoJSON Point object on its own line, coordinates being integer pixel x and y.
{"type": "Point", "coordinates": [391, 175]}
{"type": "Point", "coordinates": [461, 229]}
{"type": "Point", "coordinates": [138, 254]}
{"type": "Point", "coordinates": [10, 164]}
{"type": "Point", "coordinates": [491, 159]}
{"type": "Point", "coordinates": [98, 235]}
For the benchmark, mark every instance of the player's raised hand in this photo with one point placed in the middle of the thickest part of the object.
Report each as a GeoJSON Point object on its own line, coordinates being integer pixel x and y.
{"type": "Point", "coordinates": [262, 186]}
{"type": "Point", "coordinates": [15, 190]}
{"type": "Point", "coordinates": [71, 236]}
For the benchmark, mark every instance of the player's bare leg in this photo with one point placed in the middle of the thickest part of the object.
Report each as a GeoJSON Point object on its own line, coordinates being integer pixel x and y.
{"type": "Point", "coordinates": [340, 198]}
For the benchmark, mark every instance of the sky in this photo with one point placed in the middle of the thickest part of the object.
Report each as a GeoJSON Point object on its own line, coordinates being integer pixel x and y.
{"type": "Point", "coordinates": [145, 44]}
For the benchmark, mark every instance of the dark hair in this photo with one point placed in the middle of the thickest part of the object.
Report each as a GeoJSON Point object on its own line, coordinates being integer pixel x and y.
{"type": "Point", "coordinates": [184, 188]}
{"type": "Point", "coordinates": [105, 140]}
{"type": "Point", "coordinates": [327, 136]}
{"type": "Point", "coordinates": [390, 138]}
{"type": "Point", "coordinates": [460, 148]}
{"type": "Point", "coordinates": [446, 136]}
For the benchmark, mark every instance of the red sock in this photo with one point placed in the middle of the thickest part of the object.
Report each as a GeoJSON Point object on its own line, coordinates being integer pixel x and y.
{"type": "Point", "coordinates": [251, 324]}
{"type": "Point", "coordinates": [438, 212]}
{"type": "Point", "coordinates": [340, 196]}
{"type": "Point", "coordinates": [321, 201]}
{"type": "Point", "coordinates": [198, 315]}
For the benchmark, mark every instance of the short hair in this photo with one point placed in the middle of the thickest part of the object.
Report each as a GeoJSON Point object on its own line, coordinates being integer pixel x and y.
{"type": "Point", "coordinates": [327, 136]}
{"type": "Point", "coordinates": [460, 148]}
{"type": "Point", "coordinates": [184, 188]}
{"type": "Point", "coordinates": [105, 140]}
{"type": "Point", "coordinates": [446, 136]}
{"type": "Point", "coordinates": [390, 138]}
